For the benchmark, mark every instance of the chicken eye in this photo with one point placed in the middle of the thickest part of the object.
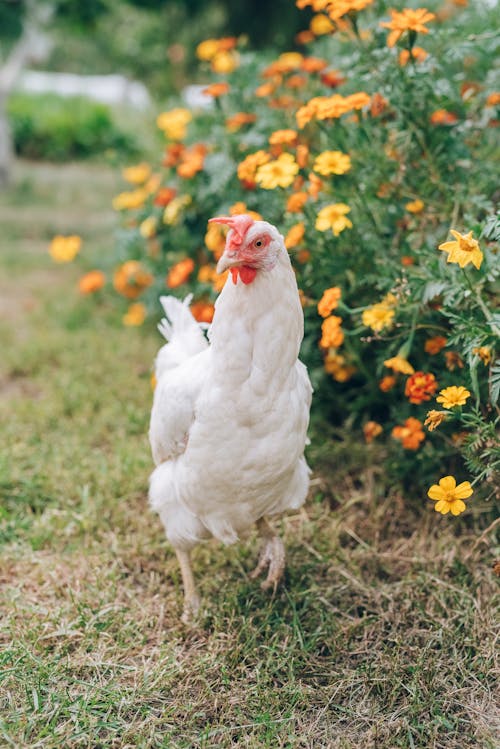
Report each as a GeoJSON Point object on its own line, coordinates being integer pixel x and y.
{"type": "Point", "coordinates": [258, 242]}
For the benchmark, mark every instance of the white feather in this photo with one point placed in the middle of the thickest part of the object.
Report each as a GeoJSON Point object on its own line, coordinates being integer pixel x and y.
{"type": "Point", "coordinates": [229, 421]}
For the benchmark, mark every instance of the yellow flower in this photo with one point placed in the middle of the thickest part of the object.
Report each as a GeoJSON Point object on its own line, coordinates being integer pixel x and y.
{"type": "Point", "coordinates": [129, 200]}
{"type": "Point", "coordinates": [484, 353]}
{"type": "Point", "coordinates": [138, 174]}
{"type": "Point", "coordinates": [207, 49]}
{"type": "Point", "coordinates": [174, 123]}
{"type": "Point", "coordinates": [332, 162]}
{"type": "Point", "coordinates": [135, 315]}
{"type": "Point", "coordinates": [225, 61]}
{"type": "Point", "coordinates": [147, 229]}
{"type": "Point", "coordinates": [65, 249]}
{"type": "Point", "coordinates": [378, 316]}
{"type": "Point", "coordinates": [174, 209]}
{"type": "Point", "coordinates": [434, 419]}
{"type": "Point", "coordinates": [407, 20]}
{"type": "Point", "coordinates": [449, 496]}
{"type": "Point", "coordinates": [333, 217]}
{"type": "Point", "coordinates": [278, 173]}
{"type": "Point", "coordinates": [321, 24]}
{"type": "Point", "coordinates": [399, 364]}
{"type": "Point", "coordinates": [415, 206]}
{"type": "Point", "coordinates": [453, 396]}
{"type": "Point", "coordinates": [463, 250]}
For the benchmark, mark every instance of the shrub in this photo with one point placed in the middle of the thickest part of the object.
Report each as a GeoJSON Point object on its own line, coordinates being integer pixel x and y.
{"type": "Point", "coordinates": [366, 164]}
{"type": "Point", "coordinates": [46, 126]}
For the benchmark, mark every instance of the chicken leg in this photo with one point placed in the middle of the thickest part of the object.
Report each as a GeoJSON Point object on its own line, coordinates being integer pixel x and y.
{"type": "Point", "coordinates": [191, 597]}
{"type": "Point", "coordinates": [272, 555]}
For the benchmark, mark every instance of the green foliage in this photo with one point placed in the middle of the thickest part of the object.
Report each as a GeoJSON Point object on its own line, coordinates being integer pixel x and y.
{"type": "Point", "coordinates": [421, 139]}
{"type": "Point", "coordinates": [50, 127]}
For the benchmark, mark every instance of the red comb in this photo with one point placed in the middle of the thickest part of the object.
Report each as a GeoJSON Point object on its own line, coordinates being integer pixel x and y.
{"type": "Point", "coordinates": [239, 224]}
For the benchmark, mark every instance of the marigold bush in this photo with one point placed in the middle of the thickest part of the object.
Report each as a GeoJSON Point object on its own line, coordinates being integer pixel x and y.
{"type": "Point", "coordinates": [371, 149]}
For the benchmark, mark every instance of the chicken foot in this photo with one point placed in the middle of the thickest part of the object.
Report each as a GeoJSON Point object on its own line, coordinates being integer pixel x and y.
{"type": "Point", "coordinates": [191, 597]}
{"type": "Point", "coordinates": [272, 555]}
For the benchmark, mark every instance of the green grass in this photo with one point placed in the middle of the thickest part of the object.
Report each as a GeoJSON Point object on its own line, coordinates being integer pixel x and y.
{"type": "Point", "coordinates": [382, 636]}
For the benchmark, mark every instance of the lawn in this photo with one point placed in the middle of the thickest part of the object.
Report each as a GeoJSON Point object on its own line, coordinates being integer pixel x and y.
{"type": "Point", "coordinates": [383, 635]}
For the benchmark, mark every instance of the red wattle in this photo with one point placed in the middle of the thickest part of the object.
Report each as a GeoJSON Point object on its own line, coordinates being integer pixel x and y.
{"type": "Point", "coordinates": [247, 274]}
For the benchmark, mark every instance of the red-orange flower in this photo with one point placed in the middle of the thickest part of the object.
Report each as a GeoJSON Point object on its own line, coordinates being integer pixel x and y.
{"type": "Point", "coordinates": [164, 196]}
{"type": "Point", "coordinates": [443, 117]}
{"type": "Point", "coordinates": [434, 345]}
{"type": "Point", "coordinates": [179, 273]}
{"type": "Point", "coordinates": [420, 387]}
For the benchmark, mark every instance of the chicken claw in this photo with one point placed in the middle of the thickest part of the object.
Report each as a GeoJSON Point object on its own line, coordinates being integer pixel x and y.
{"type": "Point", "coordinates": [272, 555]}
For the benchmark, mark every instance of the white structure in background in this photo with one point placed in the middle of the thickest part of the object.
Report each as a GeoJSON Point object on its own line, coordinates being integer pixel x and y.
{"type": "Point", "coordinates": [195, 98]}
{"type": "Point", "coordinates": [108, 89]}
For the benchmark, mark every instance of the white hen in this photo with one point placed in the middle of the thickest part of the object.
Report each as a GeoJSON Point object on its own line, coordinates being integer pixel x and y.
{"type": "Point", "coordinates": [229, 418]}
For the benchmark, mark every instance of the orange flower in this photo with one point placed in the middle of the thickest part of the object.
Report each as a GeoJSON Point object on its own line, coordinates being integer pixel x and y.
{"type": "Point", "coordinates": [295, 235]}
{"type": "Point", "coordinates": [265, 89]}
{"type": "Point", "coordinates": [179, 273]}
{"type": "Point", "coordinates": [304, 37]}
{"type": "Point", "coordinates": [238, 208]}
{"type": "Point", "coordinates": [336, 366]}
{"type": "Point", "coordinates": [434, 345]}
{"type": "Point", "coordinates": [234, 123]}
{"type": "Point", "coordinates": [332, 335]}
{"type": "Point", "coordinates": [453, 360]}
{"type": "Point", "coordinates": [135, 315]}
{"type": "Point", "coordinates": [378, 105]}
{"type": "Point", "coordinates": [410, 434]}
{"type": "Point", "coordinates": [248, 167]}
{"type": "Point", "coordinates": [192, 161]}
{"type": "Point", "coordinates": [313, 64]}
{"type": "Point", "coordinates": [164, 196]}
{"type": "Point", "coordinates": [283, 137]}
{"type": "Point", "coordinates": [387, 383]}
{"type": "Point", "coordinates": [407, 260]}
{"type": "Point", "coordinates": [302, 155]}
{"type": "Point", "coordinates": [91, 282]}
{"type": "Point", "coordinates": [296, 81]}
{"type": "Point", "coordinates": [315, 185]}
{"type": "Point", "coordinates": [216, 89]}
{"type": "Point", "coordinates": [296, 202]}
{"type": "Point", "coordinates": [417, 54]}
{"type": "Point", "coordinates": [202, 311]}
{"type": "Point", "coordinates": [407, 20]}
{"type": "Point", "coordinates": [443, 117]}
{"type": "Point", "coordinates": [332, 78]}
{"type": "Point", "coordinates": [173, 153]}
{"type": "Point", "coordinates": [371, 430]}
{"type": "Point", "coordinates": [420, 387]}
{"type": "Point", "coordinates": [493, 99]}
{"type": "Point", "coordinates": [130, 279]}
{"type": "Point", "coordinates": [329, 301]}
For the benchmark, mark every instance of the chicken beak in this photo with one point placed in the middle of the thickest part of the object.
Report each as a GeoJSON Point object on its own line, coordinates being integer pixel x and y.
{"type": "Point", "coordinates": [227, 260]}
